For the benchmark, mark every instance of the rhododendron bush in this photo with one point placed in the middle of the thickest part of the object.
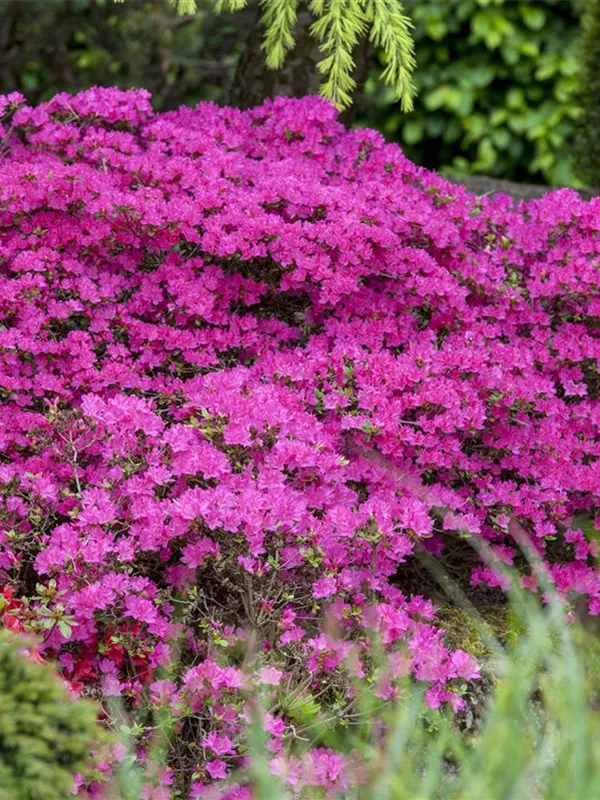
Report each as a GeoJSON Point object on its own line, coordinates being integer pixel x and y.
{"type": "Point", "coordinates": [250, 362]}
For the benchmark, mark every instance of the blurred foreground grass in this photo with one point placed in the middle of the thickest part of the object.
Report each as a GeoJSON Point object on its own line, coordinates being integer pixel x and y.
{"type": "Point", "coordinates": [537, 737]}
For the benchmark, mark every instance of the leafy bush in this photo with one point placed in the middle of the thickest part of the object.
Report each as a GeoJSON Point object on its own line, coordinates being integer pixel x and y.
{"type": "Point", "coordinates": [588, 136]}
{"type": "Point", "coordinates": [45, 735]}
{"type": "Point", "coordinates": [496, 80]}
{"type": "Point", "coordinates": [497, 89]}
{"type": "Point", "coordinates": [99, 42]}
{"type": "Point", "coordinates": [253, 363]}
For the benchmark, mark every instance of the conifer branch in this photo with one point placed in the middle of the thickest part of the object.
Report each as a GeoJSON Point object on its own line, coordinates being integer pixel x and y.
{"type": "Point", "coordinates": [279, 18]}
{"type": "Point", "coordinates": [338, 27]}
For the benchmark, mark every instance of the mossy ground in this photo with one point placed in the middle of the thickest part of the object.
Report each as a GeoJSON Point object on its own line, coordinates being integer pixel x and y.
{"type": "Point", "coordinates": [463, 631]}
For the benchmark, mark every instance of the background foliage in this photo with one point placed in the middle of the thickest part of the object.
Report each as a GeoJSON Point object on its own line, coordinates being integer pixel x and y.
{"type": "Point", "coordinates": [497, 82]}
{"type": "Point", "coordinates": [97, 42]}
{"type": "Point", "coordinates": [497, 79]}
{"type": "Point", "coordinates": [588, 129]}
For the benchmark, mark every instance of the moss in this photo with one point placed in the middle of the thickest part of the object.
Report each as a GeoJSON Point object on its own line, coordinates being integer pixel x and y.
{"type": "Point", "coordinates": [463, 633]}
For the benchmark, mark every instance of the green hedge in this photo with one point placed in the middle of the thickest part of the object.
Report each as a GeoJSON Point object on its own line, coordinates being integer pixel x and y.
{"type": "Point", "coordinates": [588, 128]}
{"type": "Point", "coordinates": [497, 84]}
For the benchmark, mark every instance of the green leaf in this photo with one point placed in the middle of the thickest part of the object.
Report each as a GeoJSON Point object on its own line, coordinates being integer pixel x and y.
{"type": "Point", "coordinates": [435, 99]}
{"type": "Point", "coordinates": [64, 628]}
{"type": "Point", "coordinates": [445, 96]}
{"type": "Point", "coordinates": [501, 138]}
{"type": "Point", "coordinates": [548, 67]}
{"type": "Point", "coordinates": [482, 76]}
{"type": "Point", "coordinates": [533, 16]}
{"type": "Point", "coordinates": [569, 66]}
{"type": "Point", "coordinates": [510, 54]}
{"type": "Point", "coordinates": [498, 116]}
{"type": "Point", "coordinates": [476, 126]}
{"type": "Point", "coordinates": [486, 154]}
{"type": "Point", "coordinates": [481, 24]}
{"type": "Point", "coordinates": [529, 48]}
{"type": "Point", "coordinates": [515, 98]}
{"type": "Point", "coordinates": [436, 29]}
{"type": "Point", "coordinates": [412, 131]}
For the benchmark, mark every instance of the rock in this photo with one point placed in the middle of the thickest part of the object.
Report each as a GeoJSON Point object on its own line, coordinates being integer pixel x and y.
{"type": "Point", "coordinates": [482, 184]}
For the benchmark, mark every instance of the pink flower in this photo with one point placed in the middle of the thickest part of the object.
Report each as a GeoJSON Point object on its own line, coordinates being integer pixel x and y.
{"type": "Point", "coordinates": [270, 676]}
{"type": "Point", "coordinates": [464, 666]}
{"type": "Point", "coordinates": [111, 686]}
{"type": "Point", "coordinates": [195, 554]}
{"type": "Point", "coordinates": [220, 745]}
{"type": "Point", "coordinates": [324, 587]}
{"type": "Point", "coordinates": [216, 769]}
{"type": "Point", "coordinates": [141, 609]}
{"type": "Point", "coordinates": [162, 691]}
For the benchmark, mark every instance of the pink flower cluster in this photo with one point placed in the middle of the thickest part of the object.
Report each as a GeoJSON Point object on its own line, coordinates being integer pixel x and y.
{"type": "Point", "coordinates": [249, 362]}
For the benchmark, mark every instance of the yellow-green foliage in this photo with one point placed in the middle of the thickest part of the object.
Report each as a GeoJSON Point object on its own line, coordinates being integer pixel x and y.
{"type": "Point", "coordinates": [463, 633]}
{"type": "Point", "coordinates": [45, 734]}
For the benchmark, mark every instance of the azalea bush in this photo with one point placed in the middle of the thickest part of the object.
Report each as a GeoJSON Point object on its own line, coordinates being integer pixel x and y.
{"type": "Point", "coordinates": [251, 365]}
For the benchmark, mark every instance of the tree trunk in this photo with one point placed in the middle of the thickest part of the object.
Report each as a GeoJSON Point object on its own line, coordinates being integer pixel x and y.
{"type": "Point", "coordinates": [253, 81]}
{"type": "Point", "coordinates": [298, 77]}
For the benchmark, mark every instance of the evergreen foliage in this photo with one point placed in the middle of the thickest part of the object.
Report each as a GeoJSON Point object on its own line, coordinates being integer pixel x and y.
{"type": "Point", "coordinates": [44, 733]}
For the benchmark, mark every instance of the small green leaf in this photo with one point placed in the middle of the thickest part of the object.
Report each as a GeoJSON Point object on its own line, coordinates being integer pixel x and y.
{"type": "Point", "coordinates": [412, 131]}
{"type": "Point", "coordinates": [436, 29]}
{"type": "Point", "coordinates": [533, 16]}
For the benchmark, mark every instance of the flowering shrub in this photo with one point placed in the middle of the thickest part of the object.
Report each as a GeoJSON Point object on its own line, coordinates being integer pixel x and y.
{"type": "Point", "coordinates": [249, 363]}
